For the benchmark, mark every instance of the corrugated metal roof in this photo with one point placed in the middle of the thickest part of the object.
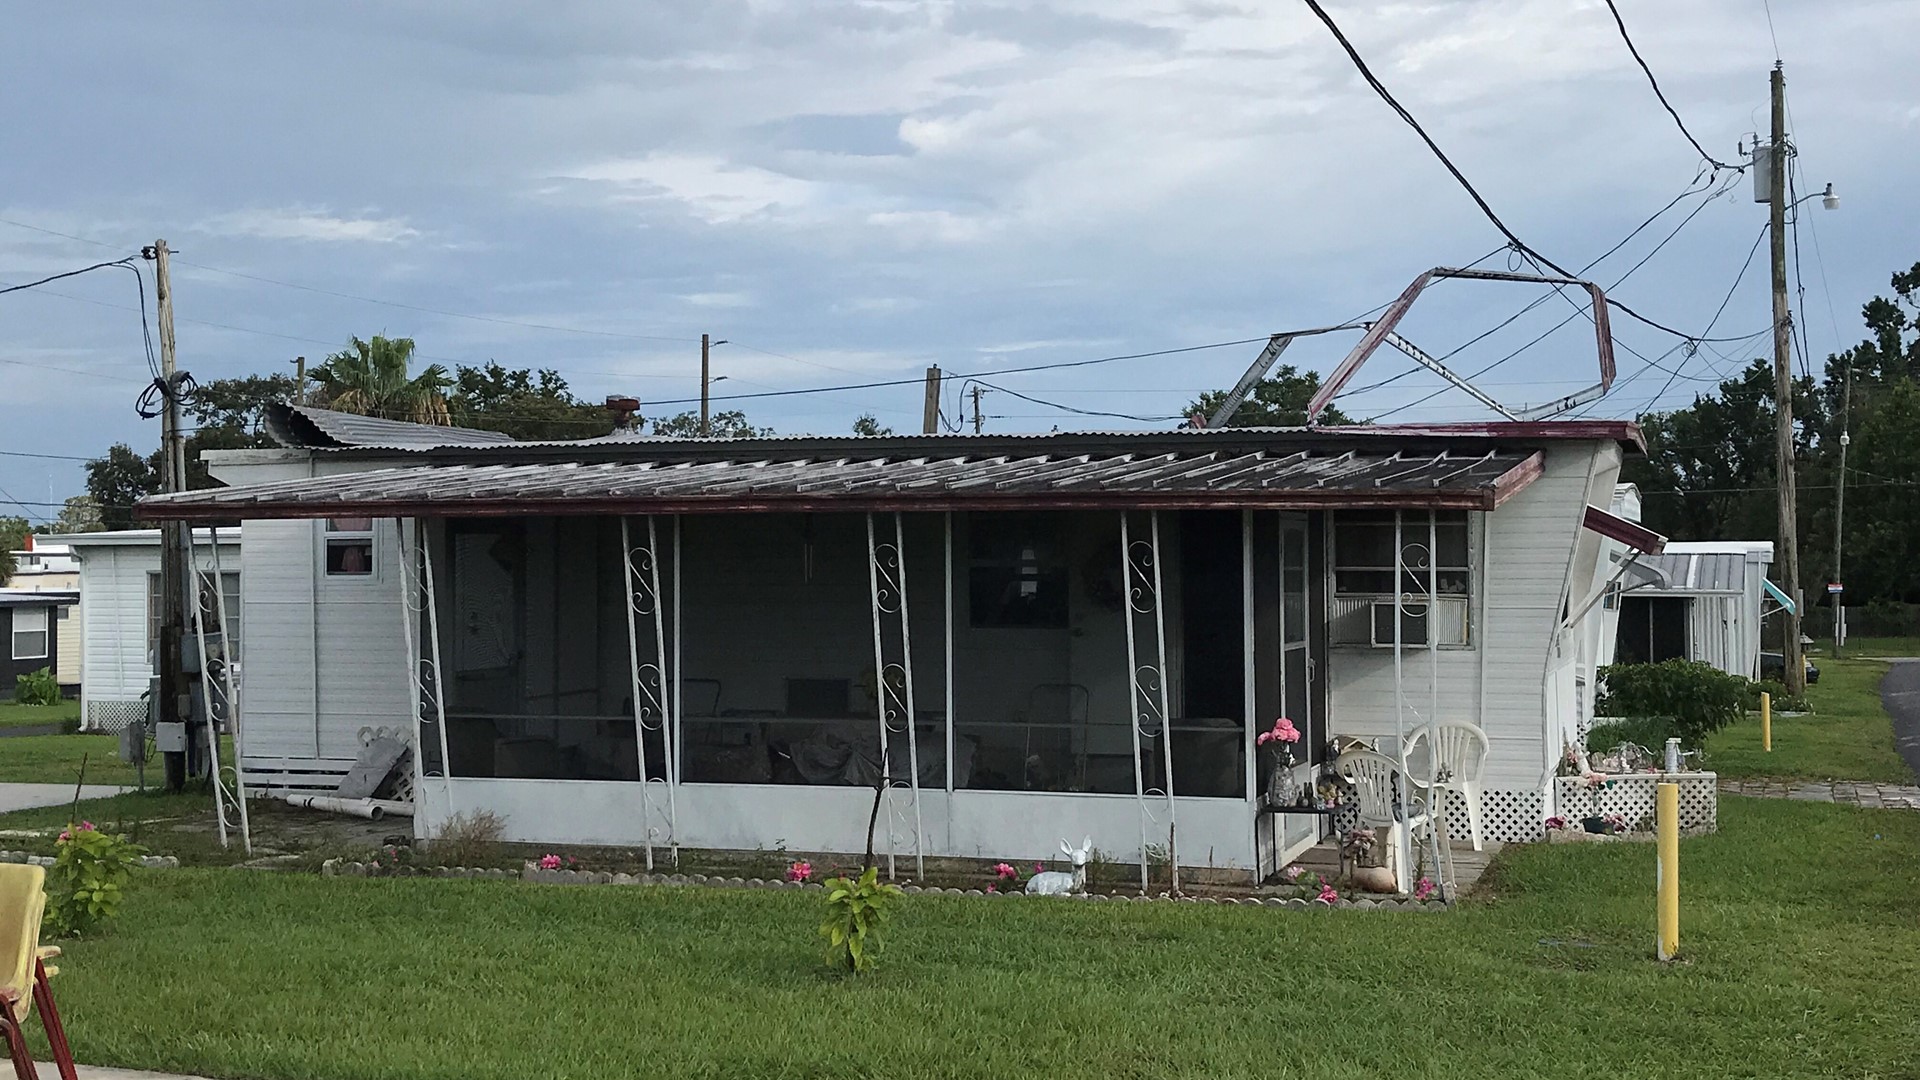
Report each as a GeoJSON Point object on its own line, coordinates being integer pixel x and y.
{"type": "Point", "coordinates": [1701, 572]}
{"type": "Point", "coordinates": [1221, 479]}
{"type": "Point", "coordinates": [306, 426]}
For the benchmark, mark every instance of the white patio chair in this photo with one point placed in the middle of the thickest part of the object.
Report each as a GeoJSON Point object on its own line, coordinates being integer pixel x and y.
{"type": "Point", "coordinates": [1459, 755]}
{"type": "Point", "coordinates": [1383, 806]}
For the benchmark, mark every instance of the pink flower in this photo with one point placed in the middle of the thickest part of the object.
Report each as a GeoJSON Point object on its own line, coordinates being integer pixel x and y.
{"type": "Point", "coordinates": [1292, 873]}
{"type": "Point", "coordinates": [800, 871]}
{"type": "Point", "coordinates": [86, 826]}
{"type": "Point", "coordinates": [1039, 868]}
{"type": "Point", "coordinates": [1424, 889]}
{"type": "Point", "coordinates": [1327, 894]}
{"type": "Point", "coordinates": [1556, 823]}
{"type": "Point", "coordinates": [63, 837]}
{"type": "Point", "coordinates": [549, 862]}
{"type": "Point", "coordinates": [1283, 731]}
{"type": "Point", "coordinates": [1005, 871]}
{"type": "Point", "coordinates": [993, 889]}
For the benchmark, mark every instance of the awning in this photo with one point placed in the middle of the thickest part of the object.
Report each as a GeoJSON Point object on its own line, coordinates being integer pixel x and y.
{"type": "Point", "coordinates": [1778, 596]}
{"type": "Point", "coordinates": [1219, 479]}
{"type": "Point", "coordinates": [1631, 533]}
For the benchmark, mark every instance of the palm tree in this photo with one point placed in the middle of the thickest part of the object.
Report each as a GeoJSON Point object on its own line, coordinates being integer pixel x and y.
{"type": "Point", "coordinates": [370, 378]}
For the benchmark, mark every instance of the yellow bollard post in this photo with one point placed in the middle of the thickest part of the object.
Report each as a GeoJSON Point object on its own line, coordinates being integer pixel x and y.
{"type": "Point", "coordinates": [1766, 721]}
{"type": "Point", "coordinates": [1667, 822]}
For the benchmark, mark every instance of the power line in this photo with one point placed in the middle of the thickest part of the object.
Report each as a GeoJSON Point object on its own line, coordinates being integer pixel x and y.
{"type": "Point", "coordinates": [126, 262]}
{"type": "Point", "coordinates": [1070, 408]}
{"type": "Point", "coordinates": [1657, 92]}
{"type": "Point", "coordinates": [1466, 185]}
{"type": "Point", "coordinates": [1767, 6]}
{"type": "Point", "coordinates": [49, 457]}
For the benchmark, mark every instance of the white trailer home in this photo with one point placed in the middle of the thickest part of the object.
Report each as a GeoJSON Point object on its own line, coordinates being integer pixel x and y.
{"type": "Point", "coordinates": [1703, 600]}
{"type": "Point", "coordinates": [728, 643]}
{"type": "Point", "coordinates": [120, 613]}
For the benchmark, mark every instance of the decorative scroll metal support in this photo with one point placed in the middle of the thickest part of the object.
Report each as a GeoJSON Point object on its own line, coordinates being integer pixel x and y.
{"type": "Point", "coordinates": [420, 614]}
{"type": "Point", "coordinates": [893, 681]}
{"type": "Point", "coordinates": [1416, 576]}
{"type": "Point", "coordinates": [218, 691]}
{"type": "Point", "coordinates": [1147, 681]}
{"type": "Point", "coordinates": [652, 697]}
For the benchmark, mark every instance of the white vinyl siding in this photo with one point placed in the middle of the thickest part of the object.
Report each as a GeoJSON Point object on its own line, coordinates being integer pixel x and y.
{"type": "Point", "coordinates": [1503, 680]}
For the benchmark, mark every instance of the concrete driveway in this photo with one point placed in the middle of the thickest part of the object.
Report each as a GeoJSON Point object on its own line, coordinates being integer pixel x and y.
{"type": "Point", "coordinates": [33, 796]}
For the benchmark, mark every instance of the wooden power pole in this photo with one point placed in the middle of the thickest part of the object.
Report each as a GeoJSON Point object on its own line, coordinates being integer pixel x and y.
{"type": "Point", "coordinates": [299, 380]}
{"type": "Point", "coordinates": [1795, 674]}
{"type": "Point", "coordinates": [930, 412]}
{"type": "Point", "coordinates": [1840, 518]}
{"type": "Point", "coordinates": [175, 705]}
{"type": "Point", "coordinates": [977, 418]}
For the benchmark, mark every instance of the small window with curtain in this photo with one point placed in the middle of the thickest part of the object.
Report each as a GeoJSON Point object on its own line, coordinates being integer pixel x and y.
{"type": "Point", "coordinates": [349, 547]}
{"type": "Point", "coordinates": [1434, 564]}
{"type": "Point", "coordinates": [30, 637]}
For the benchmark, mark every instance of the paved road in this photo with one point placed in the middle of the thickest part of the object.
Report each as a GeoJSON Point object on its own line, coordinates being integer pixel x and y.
{"type": "Point", "coordinates": [1900, 695]}
{"type": "Point", "coordinates": [30, 796]}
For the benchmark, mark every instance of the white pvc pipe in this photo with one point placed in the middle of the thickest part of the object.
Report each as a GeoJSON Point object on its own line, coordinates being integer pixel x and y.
{"type": "Point", "coordinates": [371, 809]}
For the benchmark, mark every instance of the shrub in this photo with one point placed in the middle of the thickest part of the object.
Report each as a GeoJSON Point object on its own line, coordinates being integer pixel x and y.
{"type": "Point", "coordinates": [1697, 699]}
{"type": "Point", "coordinates": [85, 885]}
{"type": "Point", "coordinates": [36, 688]}
{"type": "Point", "coordinates": [1648, 732]}
{"type": "Point", "coordinates": [471, 839]}
{"type": "Point", "coordinates": [857, 910]}
{"type": "Point", "coordinates": [1777, 692]}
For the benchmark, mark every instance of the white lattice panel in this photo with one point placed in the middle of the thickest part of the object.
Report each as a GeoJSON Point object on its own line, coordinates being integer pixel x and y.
{"type": "Point", "coordinates": [1506, 815]}
{"type": "Point", "coordinates": [113, 716]}
{"type": "Point", "coordinates": [1632, 797]}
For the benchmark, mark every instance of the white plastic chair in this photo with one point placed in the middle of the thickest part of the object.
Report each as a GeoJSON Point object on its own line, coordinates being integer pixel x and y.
{"type": "Point", "coordinates": [1382, 806]}
{"type": "Point", "coordinates": [1459, 756]}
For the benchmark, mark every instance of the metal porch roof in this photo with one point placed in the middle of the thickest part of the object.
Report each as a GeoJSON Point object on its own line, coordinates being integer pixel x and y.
{"type": "Point", "coordinates": [1226, 479]}
{"type": "Point", "coordinates": [1700, 572]}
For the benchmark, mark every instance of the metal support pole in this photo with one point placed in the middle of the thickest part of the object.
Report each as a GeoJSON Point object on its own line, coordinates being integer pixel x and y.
{"type": "Point", "coordinates": [207, 697]}
{"type": "Point", "coordinates": [887, 585]}
{"type": "Point", "coordinates": [651, 700]}
{"type": "Point", "coordinates": [425, 544]}
{"type": "Point", "coordinates": [948, 516]}
{"type": "Point", "coordinates": [1140, 568]}
{"type": "Point", "coordinates": [1249, 701]}
{"type": "Point", "coordinates": [1135, 596]}
{"type": "Point", "coordinates": [232, 690]}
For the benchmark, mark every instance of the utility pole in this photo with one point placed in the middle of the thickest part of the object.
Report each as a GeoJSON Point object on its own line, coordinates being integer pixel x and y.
{"type": "Point", "coordinates": [930, 412]}
{"type": "Point", "coordinates": [299, 380]}
{"type": "Point", "coordinates": [706, 381]}
{"type": "Point", "coordinates": [976, 410]}
{"type": "Point", "coordinates": [1840, 517]}
{"type": "Point", "coordinates": [175, 706]}
{"type": "Point", "coordinates": [1795, 673]}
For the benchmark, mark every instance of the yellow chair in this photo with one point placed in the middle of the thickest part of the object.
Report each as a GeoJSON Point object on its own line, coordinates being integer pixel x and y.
{"type": "Point", "coordinates": [24, 971]}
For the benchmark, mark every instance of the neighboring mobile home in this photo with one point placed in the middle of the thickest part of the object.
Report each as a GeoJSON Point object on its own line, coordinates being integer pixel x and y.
{"type": "Point", "coordinates": [1033, 636]}
{"type": "Point", "coordinates": [1703, 601]}
{"type": "Point", "coordinates": [29, 632]}
{"type": "Point", "coordinates": [120, 605]}
{"type": "Point", "coordinates": [45, 565]}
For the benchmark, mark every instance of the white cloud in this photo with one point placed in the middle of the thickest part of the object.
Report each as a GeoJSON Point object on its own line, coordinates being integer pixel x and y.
{"type": "Point", "coordinates": [707, 186]}
{"type": "Point", "coordinates": [299, 223]}
{"type": "Point", "coordinates": [719, 299]}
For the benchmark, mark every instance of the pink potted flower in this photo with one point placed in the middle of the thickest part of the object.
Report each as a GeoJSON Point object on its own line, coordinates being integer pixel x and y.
{"type": "Point", "coordinates": [549, 862]}
{"type": "Point", "coordinates": [1281, 790]}
{"type": "Point", "coordinates": [800, 872]}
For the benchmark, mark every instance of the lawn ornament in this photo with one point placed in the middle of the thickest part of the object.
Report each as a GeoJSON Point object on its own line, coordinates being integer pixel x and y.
{"type": "Point", "coordinates": [1056, 883]}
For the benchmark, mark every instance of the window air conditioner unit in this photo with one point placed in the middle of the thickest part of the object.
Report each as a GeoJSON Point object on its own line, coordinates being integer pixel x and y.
{"type": "Point", "coordinates": [1413, 623]}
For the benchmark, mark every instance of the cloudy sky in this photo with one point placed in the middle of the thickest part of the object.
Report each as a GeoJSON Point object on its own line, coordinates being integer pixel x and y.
{"type": "Point", "coordinates": [848, 193]}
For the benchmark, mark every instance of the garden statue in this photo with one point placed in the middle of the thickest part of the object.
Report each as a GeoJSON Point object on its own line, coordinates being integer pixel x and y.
{"type": "Point", "coordinates": [1055, 883]}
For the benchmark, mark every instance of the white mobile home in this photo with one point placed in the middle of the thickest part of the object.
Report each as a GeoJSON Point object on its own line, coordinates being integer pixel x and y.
{"type": "Point", "coordinates": [48, 566]}
{"type": "Point", "coordinates": [120, 614]}
{"type": "Point", "coordinates": [727, 643]}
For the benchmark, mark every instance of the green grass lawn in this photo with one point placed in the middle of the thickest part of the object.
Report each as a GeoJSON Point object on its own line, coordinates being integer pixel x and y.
{"type": "Point", "coordinates": [1865, 646]}
{"type": "Point", "coordinates": [55, 759]}
{"type": "Point", "coordinates": [14, 714]}
{"type": "Point", "coordinates": [1801, 940]}
{"type": "Point", "coordinates": [1848, 736]}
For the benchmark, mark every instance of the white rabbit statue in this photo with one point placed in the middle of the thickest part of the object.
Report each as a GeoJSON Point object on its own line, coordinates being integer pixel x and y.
{"type": "Point", "coordinates": [1055, 883]}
